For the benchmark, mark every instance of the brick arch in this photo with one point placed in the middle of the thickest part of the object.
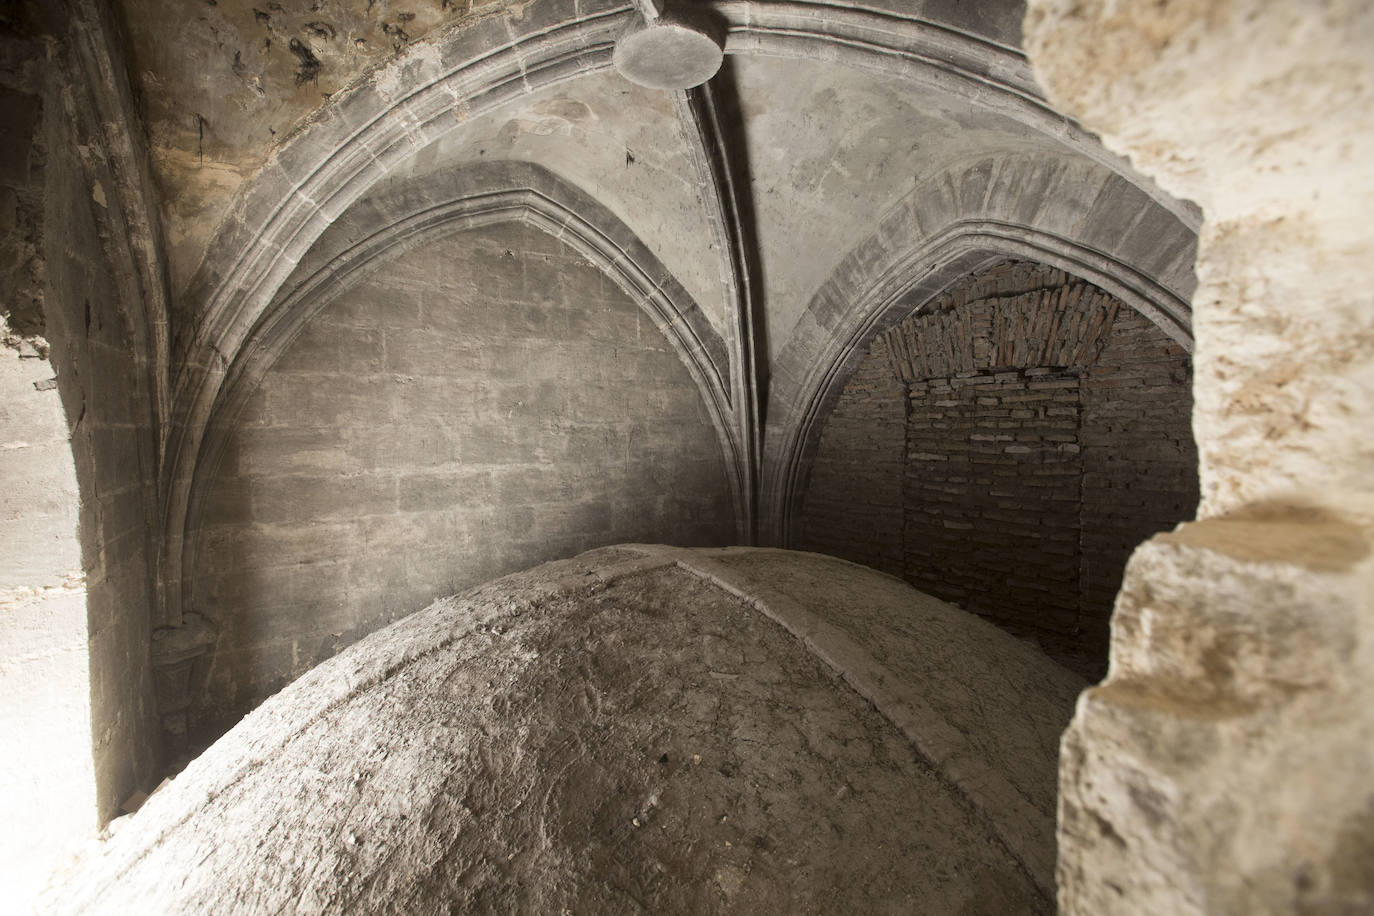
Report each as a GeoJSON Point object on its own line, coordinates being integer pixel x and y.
{"type": "Point", "coordinates": [951, 226]}
{"type": "Point", "coordinates": [1004, 447]}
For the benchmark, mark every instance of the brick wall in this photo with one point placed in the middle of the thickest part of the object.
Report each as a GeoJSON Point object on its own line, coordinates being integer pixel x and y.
{"type": "Point", "coordinates": [1139, 459]}
{"type": "Point", "coordinates": [1045, 434]}
{"type": "Point", "coordinates": [854, 509]}
{"type": "Point", "coordinates": [991, 488]}
{"type": "Point", "coordinates": [478, 405]}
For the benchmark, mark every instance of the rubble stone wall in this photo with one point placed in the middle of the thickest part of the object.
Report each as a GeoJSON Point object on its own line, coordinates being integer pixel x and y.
{"type": "Point", "coordinates": [1225, 765]}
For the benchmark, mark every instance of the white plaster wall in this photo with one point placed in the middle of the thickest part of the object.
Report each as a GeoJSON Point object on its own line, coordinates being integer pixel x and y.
{"type": "Point", "coordinates": [47, 782]}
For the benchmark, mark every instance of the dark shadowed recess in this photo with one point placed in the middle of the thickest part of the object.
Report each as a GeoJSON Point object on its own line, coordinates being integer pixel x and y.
{"type": "Point", "coordinates": [1005, 448]}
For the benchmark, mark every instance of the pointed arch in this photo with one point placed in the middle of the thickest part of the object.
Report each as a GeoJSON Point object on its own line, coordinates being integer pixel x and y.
{"type": "Point", "coordinates": [945, 229]}
{"type": "Point", "coordinates": [387, 225]}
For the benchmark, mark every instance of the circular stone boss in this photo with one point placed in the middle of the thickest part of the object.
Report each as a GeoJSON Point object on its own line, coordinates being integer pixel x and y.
{"type": "Point", "coordinates": [668, 54]}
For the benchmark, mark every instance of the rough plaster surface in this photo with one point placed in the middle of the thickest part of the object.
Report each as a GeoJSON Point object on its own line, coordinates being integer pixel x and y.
{"type": "Point", "coordinates": [483, 402]}
{"type": "Point", "coordinates": [1224, 766]}
{"type": "Point", "coordinates": [1276, 147]}
{"type": "Point", "coordinates": [220, 83]}
{"type": "Point", "coordinates": [625, 731]}
{"type": "Point", "coordinates": [830, 150]}
{"type": "Point", "coordinates": [924, 647]}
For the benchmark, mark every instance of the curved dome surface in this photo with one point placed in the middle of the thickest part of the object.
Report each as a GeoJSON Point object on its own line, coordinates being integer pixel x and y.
{"type": "Point", "coordinates": [636, 729]}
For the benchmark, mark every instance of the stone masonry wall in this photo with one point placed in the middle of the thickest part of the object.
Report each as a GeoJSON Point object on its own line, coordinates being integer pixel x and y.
{"type": "Point", "coordinates": [475, 406]}
{"type": "Point", "coordinates": [79, 451]}
{"type": "Point", "coordinates": [103, 383]}
{"type": "Point", "coordinates": [1045, 434]}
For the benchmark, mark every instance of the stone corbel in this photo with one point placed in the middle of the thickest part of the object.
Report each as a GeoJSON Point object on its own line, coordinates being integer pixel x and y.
{"type": "Point", "coordinates": [177, 653]}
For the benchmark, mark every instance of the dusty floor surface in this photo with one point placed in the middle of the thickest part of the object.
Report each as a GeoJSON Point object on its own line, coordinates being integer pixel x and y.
{"type": "Point", "coordinates": [608, 734]}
